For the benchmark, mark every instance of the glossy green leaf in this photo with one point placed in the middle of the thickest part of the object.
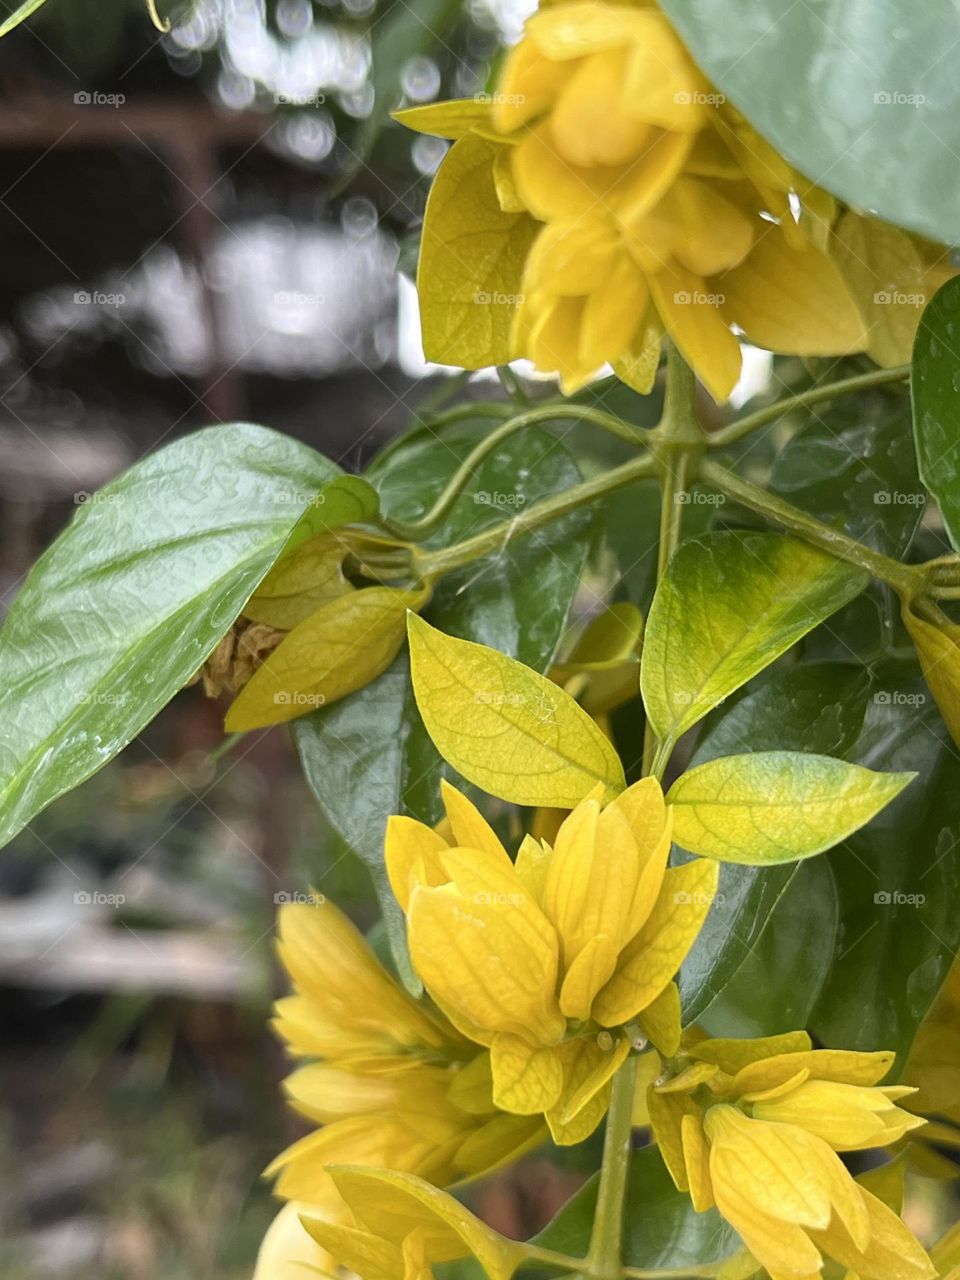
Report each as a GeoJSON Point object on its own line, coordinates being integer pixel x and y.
{"type": "Point", "coordinates": [504, 727]}
{"type": "Point", "coordinates": [133, 596]}
{"type": "Point", "coordinates": [20, 15]}
{"type": "Point", "coordinates": [936, 403]}
{"type": "Point", "coordinates": [369, 755]}
{"type": "Point", "coordinates": [775, 806]}
{"type": "Point", "coordinates": [853, 466]}
{"type": "Point", "coordinates": [729, 604]}
{"type": "Point", "coordinates": [856, 93]}
{"type": "Point", "coordinates": [345, 500]}
{"type": "Point", "coordinates": [779, 982]}
{"type": "Point", "coordinates": [818, 707]}
{"type": "Point", "coordinates": [661, 1227]}
{"type": "Point", "coordinates": [898, 880]}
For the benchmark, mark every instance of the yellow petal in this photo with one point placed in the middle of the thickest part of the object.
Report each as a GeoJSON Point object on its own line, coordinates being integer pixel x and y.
{"type": "Point", "coordinates": [650, 961]}
{"type": "Point", "coordinates": [532, 864]}
{"type": "Point", "coordinates": [446, 119]}
{"type": "Point", "coordinates": [508, 197]}
{"type": "Point", "coordinates": [569, 256]}
{"type": "Point", "coordinates": [696, 1159]}
{"type": "Point", "coordinates": [614, 310]}
{"type": "Point", "coordinates": [411, 852]}
{"type": "Point", "coordinates": [841, 1065]}
{"type": "Point", "coordinates": [470, 828]}
{"type": "Point", "coordinates": [495, 963]}
{"type": "Point", "coordinates": [472, 1087]}
{"type": "Point", "coordinates": [526, 1080]}
{"type": "Point", "coordinates": [586, 974]}
{"type": "Point", "coordinates": [667, 1112]}
{"type": "Point", "coordinates": [660, 1021]}
{"type": "Point", "coordinates": [649, 1067]}
{"type": "Point", "coordinates": [527, 86]}
{"type": "Point", "coordinates": [691, 316]}
{"type": "Point", "coordinates": [793, 300]}
{"type": "Point", "coordinates": [848, 1117]}
{"type": "Point", "coordinates": [696, 1074]}
{"type": "Point", "coordinates": [288, 1249]}
{"type": "Point", "coordinates": [891, 1254]}
{"type": "Point", "coordinates": [588, 1067]}
{"type": "Point", "coordinates": [638, 368]}
{"type": "Point", "coordinates": [885, 273]}
{"type": "Point", "coordinates": [938, 648]}
{"type": "Point", "coordinates": [732, 1055]}
{"type": "Point", "coordinates": [587, 123]}
{"type": "Point", "coordinates": [500, 1141]}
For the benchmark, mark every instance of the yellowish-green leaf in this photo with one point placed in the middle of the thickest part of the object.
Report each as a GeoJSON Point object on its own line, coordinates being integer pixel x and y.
{"type": "Point", "coordinates": [446, 119]}
{"type": "Point", "coordinates": [729, 605]}
{"type": "Point", "coordinates": [162, 24]}
{"type": "Point", "coordinates": [345, 500]}
{"type": "Point", "coordinates": [886, 274]}
{"type": "Point", "coordinates": [612, 637]}
{"type": "Point", "coordinates": [938, 648]}
{"type": "Point", "coordinates": [20, 15]}
{"type": "Point", "coordinates": [472, 255]}
{"type": "Point", "coordinates": [340, 648]}
{"type": "Point", "coordinates": [775, 806]}
{"type": "Point", "coordinates": [297, 586]}
{"type": "Point", "coordinates": [506, 728]}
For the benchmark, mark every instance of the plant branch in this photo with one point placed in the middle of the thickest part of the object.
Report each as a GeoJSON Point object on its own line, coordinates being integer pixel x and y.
{"type": "Point", "coordinates": [429, 564]}
{"type": "Point", "coordinates": [735, 431]}
{"type": "Point", "coordinates": [902, 577]}
{"type": "Point", "coordinates": [416, 529]}
{"type": "Point", "coordinates": [605, 1260]}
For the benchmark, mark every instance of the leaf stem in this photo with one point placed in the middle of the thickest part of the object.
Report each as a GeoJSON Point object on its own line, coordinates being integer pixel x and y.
{"type": "Point", "coordinates": [605, 1259]}
{"type": "Point", "coordinates": [416, 529]}
{"type": "Point", "coordinates": [803, 399]}
{"type": "Point", "coordinates": [428, 564]}
{"type": "Point", "coordinates": [902, 577]}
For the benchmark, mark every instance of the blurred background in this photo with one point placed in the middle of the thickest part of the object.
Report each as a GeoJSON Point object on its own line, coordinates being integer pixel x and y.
{"type": "Point", "coordinates": [194, 227]}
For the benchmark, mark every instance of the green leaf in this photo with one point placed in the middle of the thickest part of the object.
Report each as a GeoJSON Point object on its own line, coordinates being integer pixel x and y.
{"type": "Point", "coordinates": [779, 982]}
{"type": "Point", "coordinates": [345, 645]}
{"type": "Point", "coordinates": [775, 806]}
{"type": "Point", "coordinates": [20, 15]}
{"type": "Point", "coordinates": [507, 729]}
{"type": "Point", "coordinates": [854, 467]}
{"type": "Point", "coordinates": [472, 256]}
{"type": "Point", "coordinates": [133, 596]}
{"type": "Point", "coordinates": [345, 500]}
{"type": "Point", "coordinates": [862, 104]}
{"type": "Point", "coordinates": [936, 422]}
{"type": "Point", "coordinates": [728, 605]}
{"type": "Point", "coordinates": [661, 1227]}
{"type": "Point", "coordinates": [819, 708]}
{"type": "Point", "coordinates": [369, 755]}
{"type": "Point", "coordinates": [898, 881]}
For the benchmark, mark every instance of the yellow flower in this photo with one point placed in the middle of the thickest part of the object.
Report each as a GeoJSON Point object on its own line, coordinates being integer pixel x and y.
{"type": "Point", "coordinates": [547, 960]}
{"type": "Point", "coordinates": [753, 1127]}
{"type": "Point", "coordinates": [390, 1082]}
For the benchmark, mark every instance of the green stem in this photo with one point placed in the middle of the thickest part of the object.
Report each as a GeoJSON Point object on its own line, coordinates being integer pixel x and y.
{"type": "Point", "coordinates": [430, 563]}
{"type": "Point", "coordinates": [902, 577]}
{"type": "Point", "coordinates": [415, 529]}
{"type": "Point", "coordinates": [605, 1260]}
{"type": "Point", "coordinates": [814, 395]}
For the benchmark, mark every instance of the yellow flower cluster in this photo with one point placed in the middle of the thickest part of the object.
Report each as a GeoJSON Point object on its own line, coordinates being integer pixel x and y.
{"type": "Point", "coordinates": [391, 1083]}
{"type": "Point", "coordinates": [559, 960]}
{"type": "Point", "coordinates": [606, 194]}
{"type": "Point", "coordinates": [753, 1127]}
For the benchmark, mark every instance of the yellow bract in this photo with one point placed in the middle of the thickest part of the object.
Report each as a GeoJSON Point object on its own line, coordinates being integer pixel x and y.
{"type": "Point", "coordinates": [391, 1083]}
{"type": "Point", "coordinates": [757, 1137]}
{"type": "Point", "coordinates": [614, 195]}
{"type": "Point", "coordinates": [536, 958]}
{"type": "Point", "coordinates": [938, 648]}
